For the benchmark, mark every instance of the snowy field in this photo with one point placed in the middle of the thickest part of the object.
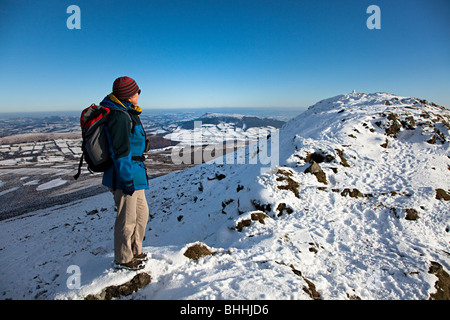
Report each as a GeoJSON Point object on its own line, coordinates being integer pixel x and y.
{"type": "Point", "coordinates": [356, 208]}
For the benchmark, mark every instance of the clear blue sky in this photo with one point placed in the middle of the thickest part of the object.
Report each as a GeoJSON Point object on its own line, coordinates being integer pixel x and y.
{"type": "Point", "coordinates": [221, 53]}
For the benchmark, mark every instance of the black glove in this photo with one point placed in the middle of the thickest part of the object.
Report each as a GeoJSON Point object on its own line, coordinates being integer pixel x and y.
{"type": "Point", "coordinates": [128, 189]}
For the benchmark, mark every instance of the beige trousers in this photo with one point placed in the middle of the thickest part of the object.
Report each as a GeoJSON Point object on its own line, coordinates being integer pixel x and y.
{"type": "Point", "coordinates": [129, 228]}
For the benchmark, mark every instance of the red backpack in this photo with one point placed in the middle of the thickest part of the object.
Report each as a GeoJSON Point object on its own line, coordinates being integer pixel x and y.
{"type": "Point", "coordinates": [95, 146]}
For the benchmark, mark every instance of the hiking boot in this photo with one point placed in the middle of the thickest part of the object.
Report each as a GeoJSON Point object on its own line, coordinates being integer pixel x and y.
{"type": "Point", "coordinates": [141, 256]}
{"type": "Point", "coordinates": [132, 265]}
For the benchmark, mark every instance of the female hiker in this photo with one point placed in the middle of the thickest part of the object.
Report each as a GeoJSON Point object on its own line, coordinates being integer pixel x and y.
{"type": "Point", "coordinates": [127, 178]}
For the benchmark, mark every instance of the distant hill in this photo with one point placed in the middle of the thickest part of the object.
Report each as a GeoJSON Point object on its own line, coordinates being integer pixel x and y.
{"type": "Point", "coordinates": [158, 142]}
{"type": "Point", "coordinates": [239, 121]}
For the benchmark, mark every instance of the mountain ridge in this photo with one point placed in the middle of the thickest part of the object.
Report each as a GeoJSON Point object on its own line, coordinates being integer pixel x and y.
{"type": "Point", "coordinates": [381, 166]}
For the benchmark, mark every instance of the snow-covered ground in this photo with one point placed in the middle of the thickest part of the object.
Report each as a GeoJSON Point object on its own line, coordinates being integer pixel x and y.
{"type": "Point", "coordinates": [367, 223]}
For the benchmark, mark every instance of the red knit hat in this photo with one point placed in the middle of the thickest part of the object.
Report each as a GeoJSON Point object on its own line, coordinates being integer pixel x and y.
{"type": "Point", "coordinates": [124, 88]}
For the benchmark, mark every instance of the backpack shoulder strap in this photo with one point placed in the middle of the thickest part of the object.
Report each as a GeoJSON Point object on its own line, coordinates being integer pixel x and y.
{"type": "Point", "coordinates": [128, 114]}
{"type": "Point", "coordinates": [77, 175]}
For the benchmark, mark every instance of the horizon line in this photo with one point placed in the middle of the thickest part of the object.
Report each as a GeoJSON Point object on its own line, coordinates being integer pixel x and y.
{"type": "Point", "coordinates": [160, 108]}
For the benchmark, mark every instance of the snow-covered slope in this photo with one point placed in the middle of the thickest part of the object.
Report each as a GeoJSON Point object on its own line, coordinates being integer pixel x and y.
{"type": "Point", "coordinates": [356, 209]}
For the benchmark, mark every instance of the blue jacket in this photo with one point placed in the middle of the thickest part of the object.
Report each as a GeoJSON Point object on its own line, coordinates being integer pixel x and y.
{"type": "Point", "coordinates": [127, 140]}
